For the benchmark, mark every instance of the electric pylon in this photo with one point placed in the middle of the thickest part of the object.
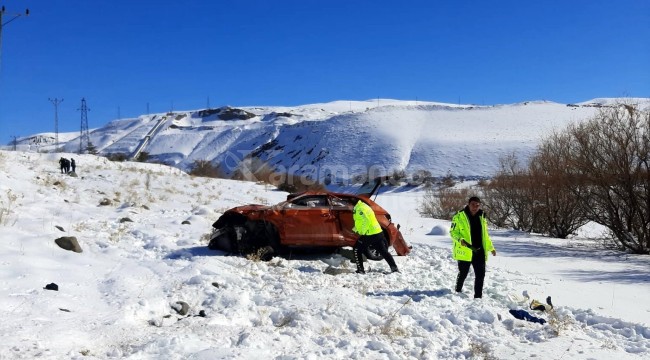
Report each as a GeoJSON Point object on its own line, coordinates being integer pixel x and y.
{"type": "Point", "coordinates": [84, 136]}
{"type": "Point", "coordinates": [56, 103]}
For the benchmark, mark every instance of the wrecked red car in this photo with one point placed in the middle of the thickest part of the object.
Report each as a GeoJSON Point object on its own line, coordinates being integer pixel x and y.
{"type": "Point", "coordinates": [311, 219]}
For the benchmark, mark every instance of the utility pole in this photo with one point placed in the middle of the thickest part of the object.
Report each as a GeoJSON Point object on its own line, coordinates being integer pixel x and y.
{"type": "Point", "coordinates": [56, 103]}
{"type": "Point", "coordinates": [148, 109]}
{"type": "Point", "coordinates": [2, 24]}
{"type": "Point", "coordinates": [15, 142]}
{"type": "Point", "coordinates": [84, 136]}
{"type": "Point", "coordinates": [119, 114]}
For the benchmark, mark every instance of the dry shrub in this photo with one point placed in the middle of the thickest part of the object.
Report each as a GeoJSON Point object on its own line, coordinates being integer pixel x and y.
{"type": "Point", "coordinates": [7, 206]}
{"type": "Point", "coordinates": [558, 322]}
{"type": "Point", "coordinates": [443, 203]}
{"type": "Point", "coordinates": [481, 351]}
{"type": "Point", "coordinates": [611, 159]}
{"type": "Point", "coordinates": [204, 168]}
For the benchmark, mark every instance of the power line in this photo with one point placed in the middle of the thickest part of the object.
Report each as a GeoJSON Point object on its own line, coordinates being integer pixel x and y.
{"type": "Point", "coordinates": [15, 16]}
{"type": "Point", "coordinates": [3, 24]}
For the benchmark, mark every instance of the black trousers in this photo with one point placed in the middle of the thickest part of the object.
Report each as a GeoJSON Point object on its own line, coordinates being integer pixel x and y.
{"type": "Point", "coordinates": [478, 263]}
{"type": "Point", "coordinates": [377, 241]}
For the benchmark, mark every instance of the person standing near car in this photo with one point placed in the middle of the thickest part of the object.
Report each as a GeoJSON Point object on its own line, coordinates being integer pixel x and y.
{"type": "Point", "coordinates": [370, 234]}
{"type": "Point", "coordinates": [471, 244]}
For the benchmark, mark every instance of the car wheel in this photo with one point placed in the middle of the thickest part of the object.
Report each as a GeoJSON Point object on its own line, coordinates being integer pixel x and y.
{"type": "Point", "coordinates": [274, 239]}
{"type": "Point", "coordinates": [266, 253]}
{"type": "Point", "coordinates": [259, 238]}
{"type": "Point", "coordinates": [372, 253]}
{"type": "Point", "coordinates": [223, 239]}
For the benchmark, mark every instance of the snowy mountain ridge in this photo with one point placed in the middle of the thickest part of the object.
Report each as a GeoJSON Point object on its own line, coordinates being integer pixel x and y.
{"type": "Point", "coordinates": [339, 139]}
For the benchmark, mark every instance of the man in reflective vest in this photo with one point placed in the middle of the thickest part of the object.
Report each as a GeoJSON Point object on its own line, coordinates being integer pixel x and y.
{"type": "Point", "coordinates": [471, 244]}
{"type": "Point", "coordinates": [371, 234]}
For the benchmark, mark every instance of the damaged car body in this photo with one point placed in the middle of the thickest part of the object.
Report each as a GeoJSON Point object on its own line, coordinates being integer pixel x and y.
{"type": "Point", "coordinates": [311, 219]}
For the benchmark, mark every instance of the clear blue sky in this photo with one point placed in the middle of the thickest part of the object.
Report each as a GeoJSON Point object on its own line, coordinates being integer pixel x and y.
{"type": "Point", "coordinates": [126, 54]}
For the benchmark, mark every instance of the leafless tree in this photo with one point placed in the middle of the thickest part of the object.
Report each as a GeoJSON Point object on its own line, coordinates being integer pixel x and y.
{"type": "Point", "coordinates": [444, 202]}
{"type": "Point", "coordinates": [509, 198]}
{"type": "Point", "coordinates": [559, 209]}
{"type": "Point", "coordinates": [611, 166]}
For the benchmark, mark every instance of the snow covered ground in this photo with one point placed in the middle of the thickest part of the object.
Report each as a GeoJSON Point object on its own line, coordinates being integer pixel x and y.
{"type": "Point", "coordinates": [117, 298]}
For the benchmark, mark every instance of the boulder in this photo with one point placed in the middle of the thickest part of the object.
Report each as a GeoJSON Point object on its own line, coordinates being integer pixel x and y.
{"type": "Point", "coordinates": [69, 243]}
{"type": "Point", "coordinates": [181, 308]}
{"type": "Point", "coordinates": [52, 286]}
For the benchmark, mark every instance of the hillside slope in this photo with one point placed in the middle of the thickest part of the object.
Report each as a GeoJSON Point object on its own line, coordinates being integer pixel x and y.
{"type": "Point", "coordinates": [342, 138]}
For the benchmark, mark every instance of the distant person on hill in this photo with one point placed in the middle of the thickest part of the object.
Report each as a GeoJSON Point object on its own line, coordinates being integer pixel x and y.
{"type": "Point", "coordinates": [471, 244]}
{"type": "Point", "coordinates": [371, 234]}
{"type": "Point", "coordinates": [62, 165]}
{"type": "Point", "coordinates": [73, 164]}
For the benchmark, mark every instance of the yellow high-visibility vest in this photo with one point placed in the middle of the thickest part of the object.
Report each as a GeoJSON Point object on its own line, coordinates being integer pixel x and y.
{"type": "Point", "coordinates": [365, 221]}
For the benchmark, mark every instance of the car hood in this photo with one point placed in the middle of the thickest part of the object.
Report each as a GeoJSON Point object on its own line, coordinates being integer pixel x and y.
{"type": "Point", "coordinates": [249, 208]}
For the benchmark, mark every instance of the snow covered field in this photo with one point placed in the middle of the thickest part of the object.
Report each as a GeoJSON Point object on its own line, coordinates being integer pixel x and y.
{"type": "Point", "coordinates": [117, 298]}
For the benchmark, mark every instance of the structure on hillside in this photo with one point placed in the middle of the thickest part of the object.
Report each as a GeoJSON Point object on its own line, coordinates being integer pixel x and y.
{"type": "Point", "coordinates": [56, 103]}
{"type": "Point", "coordinates": [84, 136]}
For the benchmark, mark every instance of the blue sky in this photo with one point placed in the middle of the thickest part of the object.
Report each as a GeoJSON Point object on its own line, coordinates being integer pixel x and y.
{"type": "Point", "coordinates": [125, 56]}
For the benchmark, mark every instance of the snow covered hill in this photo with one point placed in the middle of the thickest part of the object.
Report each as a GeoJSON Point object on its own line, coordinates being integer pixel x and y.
{"type": "Point", "coordinates": [141, 229]}
{"type": "Point", "coordinates": [339, 139]}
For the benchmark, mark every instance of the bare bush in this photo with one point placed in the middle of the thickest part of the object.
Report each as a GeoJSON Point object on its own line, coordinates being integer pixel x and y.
{"type": "Point", "coordinates": [536, 198]}
{"type": "Point", "coordinates": [594, 171]}
{"type": "Point", "coordinates": [559, 212]}
{"type": "Point", "coordinates": [559, 323]}
{"type": "Point", "coordinates": [205, 168]}
{"type": "Point", "coordinates": [294, 183]}
{"type": "Point", "coordinates": [509, 196]}
{"type": "Point", "coordinates": [7, 206]}
{"type": "Point", "coordinates": [443, 203]}
{"type": "Point", "coordinates": [397, 176]}
{"type": "Point", "coordinates": [611, 169]}
{"type": "Point", "coordinates": [119, 157]}
{"type": "Point", "coordinates": [481, 350]}
{"type": "Point", "coordinates": [142, 157]}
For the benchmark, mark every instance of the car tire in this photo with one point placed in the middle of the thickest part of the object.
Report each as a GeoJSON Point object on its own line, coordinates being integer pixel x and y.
{"type": "Point", "coordinates": [223, 239]}
{"type": "Point", "coordinates": [372, 253]}
{"type": "Point", "coordinates": [266, 253]}
{"type": "Point", "coordinates": [260, 239]}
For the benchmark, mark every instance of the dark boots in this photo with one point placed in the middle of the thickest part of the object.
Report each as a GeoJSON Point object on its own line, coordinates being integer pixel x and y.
{"type": "Point", "coordinates": [358, 256]}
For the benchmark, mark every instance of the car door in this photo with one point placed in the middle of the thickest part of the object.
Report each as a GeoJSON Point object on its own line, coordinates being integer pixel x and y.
{"type": "Point", "coordinates": [342, 208]}
{"type": "Point", "coordinates": [308, 221]}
